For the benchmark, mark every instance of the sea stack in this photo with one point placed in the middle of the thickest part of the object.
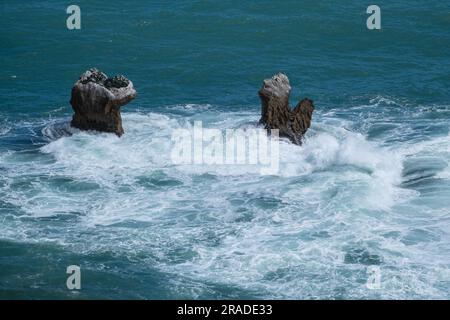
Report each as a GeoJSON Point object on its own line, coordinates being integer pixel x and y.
{"type": "Point", "coordinates": [276, 113]}
{"type": "Point", "coordinates": [96, 100]}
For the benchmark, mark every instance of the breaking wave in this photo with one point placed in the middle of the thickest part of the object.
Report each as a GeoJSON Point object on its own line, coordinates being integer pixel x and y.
{"type": "Point", "coordinates": [356, 194]}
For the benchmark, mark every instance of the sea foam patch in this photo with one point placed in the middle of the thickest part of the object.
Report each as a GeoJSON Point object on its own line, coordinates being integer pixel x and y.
{"type": "Point", "coordinates": [340, 192]}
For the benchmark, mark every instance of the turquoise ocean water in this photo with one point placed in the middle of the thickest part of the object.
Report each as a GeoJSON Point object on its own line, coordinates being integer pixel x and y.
{"type": "Point", "coordinates": [370, 188]}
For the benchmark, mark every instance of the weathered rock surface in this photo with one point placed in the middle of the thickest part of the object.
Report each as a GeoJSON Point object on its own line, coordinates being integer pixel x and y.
{"type": "Point", "coordinates": [276, 113]}
{"type": "Point", "coordinates": [96, 100]}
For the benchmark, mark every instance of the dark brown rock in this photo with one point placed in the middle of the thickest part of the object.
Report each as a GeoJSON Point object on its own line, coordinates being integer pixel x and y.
{"type": "Point", "coordinates": [96, 100]}
{"type": "Point", "coordinates": [276, 113]}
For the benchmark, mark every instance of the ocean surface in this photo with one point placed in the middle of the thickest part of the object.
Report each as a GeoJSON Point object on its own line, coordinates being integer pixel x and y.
{"type": "Point", "coordinates": [368, 190]}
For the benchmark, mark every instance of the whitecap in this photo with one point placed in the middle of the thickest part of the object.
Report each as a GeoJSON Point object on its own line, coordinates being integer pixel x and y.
{"type": "Point", "coordinates": [4, 130]}
{"type": "Point", "coordinates": [283, 235]}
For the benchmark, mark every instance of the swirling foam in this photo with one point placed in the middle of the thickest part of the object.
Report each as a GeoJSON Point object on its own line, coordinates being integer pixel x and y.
{"type": "Point", "coordinates": [336, 206]}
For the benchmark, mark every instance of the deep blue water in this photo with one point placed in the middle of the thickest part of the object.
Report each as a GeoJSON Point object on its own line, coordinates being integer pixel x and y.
{"type": "Point", "coordinates": [370, 187]}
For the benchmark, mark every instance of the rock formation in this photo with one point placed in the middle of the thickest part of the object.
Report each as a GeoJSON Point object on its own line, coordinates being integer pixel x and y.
{"type": "Point", "coordinates": [96, 100]}
{"type": "Point", "coordinates": [276, 113]}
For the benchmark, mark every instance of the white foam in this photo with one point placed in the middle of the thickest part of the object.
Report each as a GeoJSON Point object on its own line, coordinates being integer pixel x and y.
{"type": "Point", "coordinates": [146, 145]}
{"type": "Point", "coordinates": [445, 174]}
{"type": "Point", "coordinates": [4, 129]}
{"type": "Point", "coordinates": [377, 167]}
{"type": "Point", "coordinates": [145, 148]}
{"type": "Point", "coordinates": [285, 235]}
